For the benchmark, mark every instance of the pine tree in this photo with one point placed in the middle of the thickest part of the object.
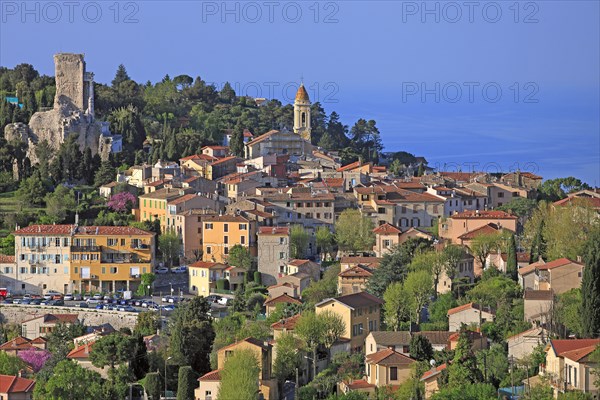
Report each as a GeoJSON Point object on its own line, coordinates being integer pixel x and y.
{"type": "Point", "coordinates": [236, 145]}
{"type": "Point", "coordinates": [511, 261]}
{"type": "Point", "coordinates": [186, 383]}
{"type": "Point", "coordinates": [120, 77]}
{"type": "Point", "coordinates": [590, 286]}
{"type": "Point", "coordinates": [105, 174]}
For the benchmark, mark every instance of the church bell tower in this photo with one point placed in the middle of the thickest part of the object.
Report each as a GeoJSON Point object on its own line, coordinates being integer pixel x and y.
{"type": "Point", "coordinates": [302, 114]}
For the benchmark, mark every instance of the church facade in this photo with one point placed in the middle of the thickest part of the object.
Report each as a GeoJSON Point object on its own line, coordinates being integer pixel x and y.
{"type": "Point", "coordinates": [296, 142]}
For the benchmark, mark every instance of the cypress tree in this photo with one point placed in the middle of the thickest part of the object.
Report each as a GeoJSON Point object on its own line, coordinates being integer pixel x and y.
{"type": "Point", "coordinates": [590, 286]}
{"type": "Point", "coordinates": [186, 383]}
{"type": "Point", "coordinates": [511, 261]}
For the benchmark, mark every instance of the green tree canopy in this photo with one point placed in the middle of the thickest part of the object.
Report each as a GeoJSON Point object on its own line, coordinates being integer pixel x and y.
{"type": "Point", "coordinates": [111, 350]}
{"type": "Point", "coordinates": [299, 239]}
{"type": "Point", "coordinates": [239, 377]}
{"type": "Point", "coordinates": [590, 286]}
{"type": "Point", "coordinates": [240, 257]}
{"type": "Point", "coordinates": [70, 381]}
{"type": "Point", "coordinates": [354, 232]}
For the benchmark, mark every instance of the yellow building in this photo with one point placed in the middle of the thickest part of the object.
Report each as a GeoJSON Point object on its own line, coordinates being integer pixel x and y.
{"type": "Point", "coordinates": [266, 383]}
{"type": "Point", "coordinates": [69, 258]}
{"type": "Point", "coordinates": [220, 233]}
{"type": "Point", "coordinates": [154, 205]}
{"type": "Point", "coordinates": [204, 276]}
{"type": "Point", "coordinates": [361, 313]}
{"type": "Point", "coordinates": [110, 258]}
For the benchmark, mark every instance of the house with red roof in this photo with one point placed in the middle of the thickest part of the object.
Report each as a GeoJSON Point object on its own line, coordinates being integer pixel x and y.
{"type": "Point", "coordinates": [386, 236]}
{"type": "Point", "coordinates": [361, 313]}
{"type": "Point", "coordinates": [203, 276]}
{"type": "Point", "coordinates": [559, 275]}
{"type": "Point", "coordinates": [385, 368]}
{"type": "Point", "coordinates": [208, 387]}
{"type": "Point", "coordinates": [430, 379]}
{"type": "Point", "coordinates": [44, 325]}
{"type": "Point", "coordinates": [463, 226]}
{"type": "Point", "coordinates": [16, 388]}
{"type": "Point", "coordinates": [20, 343]}
{"type": "Point", "coordinates": [569, 365]}
{"type": "Point", "coordinates": [273, 252]}
{"type": "Point", "coordinates": [470, 314]}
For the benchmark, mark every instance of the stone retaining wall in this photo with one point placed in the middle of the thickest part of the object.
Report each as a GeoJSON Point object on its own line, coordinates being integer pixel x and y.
{"type": "Point", "coordinates": [17, 313]}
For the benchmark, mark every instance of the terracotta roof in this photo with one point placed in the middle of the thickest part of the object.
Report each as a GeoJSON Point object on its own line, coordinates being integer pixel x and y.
{"type": "Point", "coordinates": [18, 343]}
{"type": "Point", "coordinates": [56, 318]}
{"type": "Point", "coordinates": [349, 167]}
{"type": "Point", "coordinates": [297, 262]}
{"type": "Point", "coordinates": [183, 199]}
{"type": "Point", "coordinates": [361, 299]}
{"type": "Point", "coordinates": [473, 335]}
{"type": "Point", "coordinates": [81, 230]}
{"type": "Point", "coordinates": [538, 295]}
{"type": "Point", "coordinates": [155, 183]}
{"type": "Point", "coordinates": [287, 323]}
{"type": "Point", "coordinates": [82, 351]}
{"type": "Point", "coordinates": [388, 357]}
{"type": "Point", "coordinates": [396, 194]}
{"type": "Point", "coordinates": [284, 298]}
{"type": "Point", "coordinates": [302, 196]}
{"type": "Point", "coordinates": [434, 372]}
{"type": "Point", "coordinates": [530, 268]}
{"type": "Point", "coordinates": [274, 230]}
{"type": "Point", "coordinates": [359, 384]}
{"type": "Point", "coordinates": [468, 306]}
{"type": "Point", "coordinates": [15, 384]}
{"type": "Point", "coordinates": [162, 194]}
{"type": "Point", "coordinates": [386, 229]}
{"type": "Point", "coordinates": [110, 184]}
{"type": "Point", "coordinates": [208, 265]}
{"type": "Point", "coordinates": [355, 271]}
{"type": "Point", "coordinates": [211, 376]}
{"type": "Point", "coordinates": [579, 354]}
{"type": "Point", "coordinates": [487, 229]}
{"type": "Point", "coordinates": [39, 340]}
{"type": "Point", "coordinates": [360, 260]}
{"type": "Point", "coordinates": [247, 133]}
{"type": "Point", "coordinates": [288, 284]}
{"type": "Point", "coordinates": [562, 346]}
{"type": "Point", "coordinates": [4, 259]}
{"type": "Point", "coordinates": [521, 256]}
{"type": "Point", "coordinates": [333, 182]}
{"type": "Point", "coordinates": [557, 263]}
{"type": "Point", "coordinates": [258, 213]}
{"type": "Point", "coordinates": [459, 176]}
{"type": "Point", "coordinates": [252, 341]}
{"type": "Point", "coordinates": [215, 147]}
{"type": "Point", "coordinates": [262, 137]}
{"type": "Point", "coordinates": [224, 160]}
{"type": "Point", "coordinates": [483, 214]}
{"type": "Point", "coordinates": [593, 202]}
{"type": "Point", "coordinates": [301, 94]}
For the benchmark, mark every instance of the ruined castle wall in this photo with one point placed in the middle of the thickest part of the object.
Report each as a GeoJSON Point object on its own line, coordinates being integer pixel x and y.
{"type": "Point", "coordinates": [69, 72]}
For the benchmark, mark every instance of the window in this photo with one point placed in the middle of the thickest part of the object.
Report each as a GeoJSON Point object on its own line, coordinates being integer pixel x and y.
{"type": "Point", "coordinates": [112, 242]}
{"type": "Point", "coordinates": [242, 239]}
{"type": "Point", "coordinates": [208, 250]}
{"type": "Point", "coordinates": [393, 373]}
{"type": "Point", "coordinates": [300, 205]}
{"type": "Point", "coordinates": [225, 239]}
{"type": "Point", "coordinates": [327, 215]}
{"type": "Point", "coordinates": [75, 257]}
{"type": "Point", "coordinates": [199, 230]}
{"type": "Point", "coordinates": [308, 215]}
{"type": "Point", "coordinates": [85, 257]}
{"type": "Point", "coordinates": [103, 270]}
{"type": "Point", "coordinates": [225, 227]}
{"type": "Point", "coordinates": [500, 194]}
{"type": "Point", "coordinates": [122, 242]}
{"type": "Point", "coordinates": [57, 242]}
{"type": "Point", "coordinates": [381, 210]}
{"type": "Point", "coordinates": [243, 227]}
{"type": "Point", "coordinates": [327, 204]}
{"type": "Point", "coordinates": [515, 194]}
{"type": "Point", "coordinates": [364, 197]}
{"type": "Point", "coordinates": [57, 259]}
{"type": "Point", "coordinates": [281, 240]}
{"type": "Point", "coordinates": [208, 226]}
{"type": "Point", "coordinates": [226, 250]}
{"type": "Point", "coordinates": [387, 243]}
{"type": "Point", "coordinates": [403, 210]}
{"type": "Point", "coordinates": [281, 255]}
{"type": "Point", "coordinates": [415, 209]}
{"type": "Point", "coordinates": [113, 270]}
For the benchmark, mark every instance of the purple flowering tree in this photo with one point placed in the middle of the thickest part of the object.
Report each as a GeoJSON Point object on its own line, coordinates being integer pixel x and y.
{"type": "Point", "coordinates": [121, 202]}
{"type": "Point", "coordinates": [36, 358]}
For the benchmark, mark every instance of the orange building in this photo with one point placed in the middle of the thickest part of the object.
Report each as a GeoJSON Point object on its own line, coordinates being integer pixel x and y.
{"type": "Point", "coordinates": [220, 233]}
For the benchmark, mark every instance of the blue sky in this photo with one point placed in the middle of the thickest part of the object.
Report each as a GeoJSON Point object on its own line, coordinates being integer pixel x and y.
{"type": "Point", "coordinates": [408, 66]}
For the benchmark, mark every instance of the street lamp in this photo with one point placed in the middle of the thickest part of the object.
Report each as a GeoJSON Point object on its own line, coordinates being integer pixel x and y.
{"type": "Point", "coordinates": [166, 361]}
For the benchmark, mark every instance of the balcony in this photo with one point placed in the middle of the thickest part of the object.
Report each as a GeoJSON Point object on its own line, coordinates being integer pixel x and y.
{"type": "Point", "coordinates": [140, 246]}
{"type": "Point", "coordinates": [123, 259]}
{"type": "Point", "coordinates": [86, 249]}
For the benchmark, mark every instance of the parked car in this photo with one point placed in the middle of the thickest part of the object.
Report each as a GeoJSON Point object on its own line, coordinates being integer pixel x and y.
{"type": "Point", "coordinates": [138, 302]}
{"type": "Point", "coordinates": [26, 301]}
{"type": "Point", "coordinates": [59, 302]}
{"type": "Point", "coordinates": [57, 297]}
{"type": "Point", "coordinates": [82, 305]}
{"type": "Point", "coordinates": [179, 270]}
{"type": "Point", "coordinates": [168, 307]}
{"type": "Point", "coordinates": [69, 297]}
{"type": "Point", "coordinates": [77, 297]}
{"type": "Point", "coordinates": [93, 301]}
{"type": "Point", "coordinates": [213, 298]}
{"type": "Point", "coordinates": [162, 270]}
{"type": "Point", "coordinates": [165, 299]}
{"type": "Point", "coordinates": [174, 299]}
{"type": "Point", "coordinates": [36, 302]}
{"type": "Point", "coordinates": [98, 296]}
{"type": "Point", "coordinates": [49, 295]}
{"type": "Point", "coordinates": [17, 301]}
{"type": "Point", "coordinates": [99, 306]}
